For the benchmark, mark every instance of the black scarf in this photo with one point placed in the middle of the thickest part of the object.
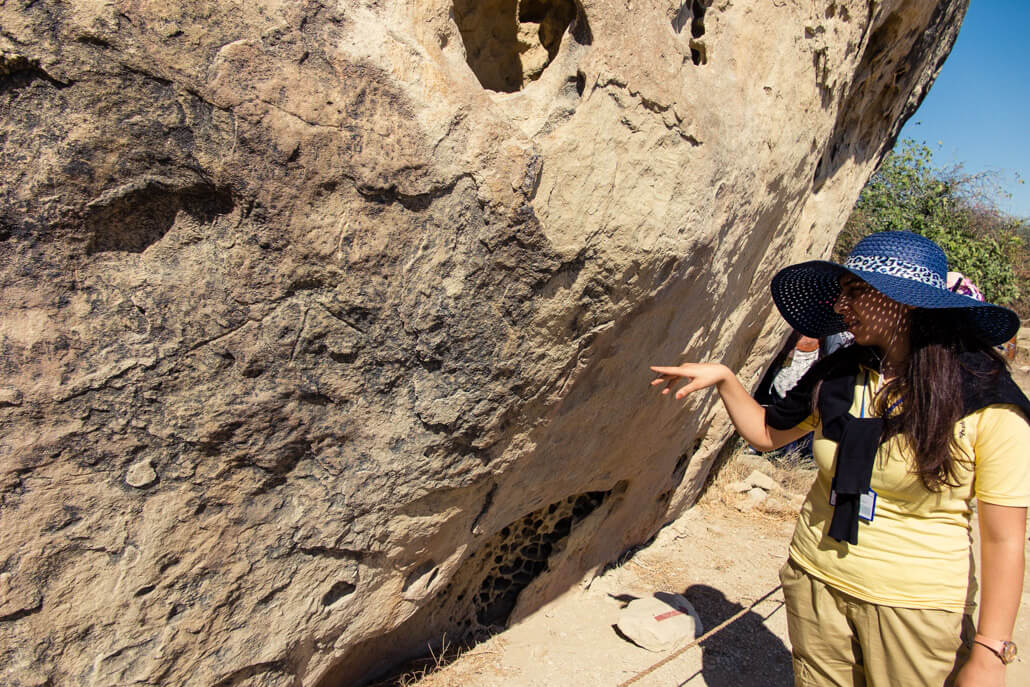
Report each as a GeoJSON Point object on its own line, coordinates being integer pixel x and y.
{"type": "Point", "coordinates": [832, 380]}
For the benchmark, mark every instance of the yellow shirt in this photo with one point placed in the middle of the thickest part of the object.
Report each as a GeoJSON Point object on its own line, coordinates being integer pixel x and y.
{"type": "Point", "coordinates": [916, 551]}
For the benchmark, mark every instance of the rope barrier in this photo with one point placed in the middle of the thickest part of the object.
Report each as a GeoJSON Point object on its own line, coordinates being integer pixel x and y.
{"type": "Point", "coordinates": [706, 635]}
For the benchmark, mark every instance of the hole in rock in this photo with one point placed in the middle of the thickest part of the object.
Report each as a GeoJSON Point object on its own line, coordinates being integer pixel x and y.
{"type": "Point", "coordinates": [691, 12]}
{"type": "Point", "coordinates": [479, 597]}
{"type": "Point", "coordinates": [141, 217]}
{"type": "Point", "coordinates": [698, 54]}
{"type": "Point", "coordinates": [422, 577]}
{"type": "Point", "coordinates": [339, 590]}
{"type": "Point", "coordinates": [509, 43]}
{"type": "Point", "coordinates": [697, 25]}
{"type": "Point", "coordinates": [18, 72]}
{"type": "Point", "coordinates": [519, 554]}
{"type": "Point", "coordinates": [681, 463]}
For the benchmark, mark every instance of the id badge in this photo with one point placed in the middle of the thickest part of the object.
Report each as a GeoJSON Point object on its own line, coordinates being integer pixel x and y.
{"type": "Point", "coordinates": [866, 504]}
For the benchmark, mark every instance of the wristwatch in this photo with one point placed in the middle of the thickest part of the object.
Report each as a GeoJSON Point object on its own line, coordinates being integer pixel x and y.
{"type": "Point", "coordinates": [1006, 651]}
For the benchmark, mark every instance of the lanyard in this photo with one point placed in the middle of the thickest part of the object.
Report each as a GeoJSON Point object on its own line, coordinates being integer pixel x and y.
{"type": "Point", "coordinates": [865, 388]}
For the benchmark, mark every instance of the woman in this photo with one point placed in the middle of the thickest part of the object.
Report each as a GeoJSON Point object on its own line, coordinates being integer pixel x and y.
{"type": "Point", "coordinates": [912, 421]}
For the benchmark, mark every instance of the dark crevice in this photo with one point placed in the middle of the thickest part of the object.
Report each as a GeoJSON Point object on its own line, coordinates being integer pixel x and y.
{"type": "Point", "coordinates": [174, 560]}
{"type": "Point", "coordinates": [681, 464]}
{"type": "Point", "coordinates": [419, 573]}
{"type": "Point", "coordinates": [691, 12]}
{"type": "Point", "coordinates": [224, 433]}
{"type": "Point", "coordinates": [487, 502]}
{"type": "Point", "coordinates": [580, 29]}
{"type": "Point", "coordinates": [70, 516]}
{"type": "Point", "coordinates": [138, 217]}
{"type": "Point", "coordinates": [23, 613]}
{"type": "Point", "coordinates": [331, 552]}
{"type": "Point", "coordinates": [339, 590]}
{"type": "Point", "coordinates": [697, 24]}
{"type": "Point", "coordinates": [344, 358]}
{"type": "Point", "coordinates": [95, 41]}
{"type": "Point", "coordinates": [288, 457]}
{"type": "Point", "coordinates": [20, 72]}
{"type": "Point", "coordinates": [314, 398]}
{"type": "Point", "coordinates": [272, 593]}
{"type": "Point", "coordinates": [160, 80]}
{"type": "Point", "coordinates": [430, 364]}
{"type": "Point", "coordinates": [698, 54]}
{"type": "Point", "coordinates": [302, 284]}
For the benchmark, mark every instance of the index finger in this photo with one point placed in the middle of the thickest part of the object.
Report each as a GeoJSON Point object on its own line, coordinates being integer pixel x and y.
{"type": "Point", "coordinates": [674, 371]}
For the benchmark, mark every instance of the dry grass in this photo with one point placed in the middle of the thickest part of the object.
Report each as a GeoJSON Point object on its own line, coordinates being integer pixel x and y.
{"type": "Point", "coordinates": [474, 663]}
{"type": "Point", "coordinates": [462, 662]}
{"type": "Point", "coordinates": [793, 472]}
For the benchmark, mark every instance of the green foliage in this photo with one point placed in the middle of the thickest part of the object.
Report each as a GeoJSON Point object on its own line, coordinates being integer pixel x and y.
{"type": "Point", "coordinates": [908, 192]}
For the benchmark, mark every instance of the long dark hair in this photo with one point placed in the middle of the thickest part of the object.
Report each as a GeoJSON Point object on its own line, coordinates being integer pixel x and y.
{"type": "Point", "coordinates": [931, 391]}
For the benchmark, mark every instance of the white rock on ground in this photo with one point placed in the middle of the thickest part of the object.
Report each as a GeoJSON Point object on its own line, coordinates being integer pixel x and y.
{"type": "Point", "coordinates": [759, 479]}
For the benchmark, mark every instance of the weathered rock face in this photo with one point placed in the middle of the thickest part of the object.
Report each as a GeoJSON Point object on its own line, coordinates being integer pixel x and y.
{"type": "Point", "coordinates": [314, 348]}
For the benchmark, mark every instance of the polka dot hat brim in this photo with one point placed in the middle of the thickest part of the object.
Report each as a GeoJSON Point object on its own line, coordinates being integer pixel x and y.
{"type": "Point", "coordinates": [903, 266]}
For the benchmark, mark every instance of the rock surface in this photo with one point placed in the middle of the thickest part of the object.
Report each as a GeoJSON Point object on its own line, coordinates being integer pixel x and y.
{"type": "Point", "coordinates": [759, 479]}
{"type": "Point", "coordinates": [660, 622]}
{"type": "Point", "coordinates": [379, 332]}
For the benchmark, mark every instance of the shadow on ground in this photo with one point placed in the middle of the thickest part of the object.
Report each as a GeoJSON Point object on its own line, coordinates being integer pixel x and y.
{"type": "Point", "coordinates": [744, 653]}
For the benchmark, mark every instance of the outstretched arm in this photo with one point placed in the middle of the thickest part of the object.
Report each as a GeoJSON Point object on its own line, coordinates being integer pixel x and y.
{"type": "Point", "coordinates": [745, 412]}
{"type": "Point", "coordinates": [1002, 529]}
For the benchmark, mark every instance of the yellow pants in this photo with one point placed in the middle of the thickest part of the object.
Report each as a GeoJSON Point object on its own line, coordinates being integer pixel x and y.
{"type": "Point", "coordinates": [841, 641]}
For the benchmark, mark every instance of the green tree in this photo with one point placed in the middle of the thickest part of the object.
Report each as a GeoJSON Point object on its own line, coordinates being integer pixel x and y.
{"type": "Point", "coordinates": [957, 210]}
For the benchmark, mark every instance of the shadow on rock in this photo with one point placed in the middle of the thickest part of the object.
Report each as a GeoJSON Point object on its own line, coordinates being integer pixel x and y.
{"type": "Point", "coordinates": [745, 653]}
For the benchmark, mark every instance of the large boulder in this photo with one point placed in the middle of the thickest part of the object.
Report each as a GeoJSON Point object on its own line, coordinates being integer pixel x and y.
{"type": "Point", "coordinates": [324, 326]}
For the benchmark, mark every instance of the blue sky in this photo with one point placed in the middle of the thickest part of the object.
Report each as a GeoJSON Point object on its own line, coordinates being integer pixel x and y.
{"type": "Point", "coordinates": [977, 112]}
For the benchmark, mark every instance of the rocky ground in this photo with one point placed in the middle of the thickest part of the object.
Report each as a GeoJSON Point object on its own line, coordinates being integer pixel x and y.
{"type": "Point", "coordinates": [723, 556]}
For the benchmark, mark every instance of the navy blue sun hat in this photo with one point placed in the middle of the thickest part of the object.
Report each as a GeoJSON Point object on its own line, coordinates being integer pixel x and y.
{"type": "Point", "coordinates": [905, 267]}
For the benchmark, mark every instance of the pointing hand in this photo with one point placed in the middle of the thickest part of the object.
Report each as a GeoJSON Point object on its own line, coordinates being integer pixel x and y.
{"type": "Point", "coordinates": [700, 376]}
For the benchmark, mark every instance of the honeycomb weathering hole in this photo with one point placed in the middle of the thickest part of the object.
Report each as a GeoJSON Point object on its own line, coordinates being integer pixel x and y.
{"type": "Point", "coordinates": [519, 553]}
{"type": "Point", "coordinates": [483, 592]}
{"type": "Point", "coordinates": [509, 43]}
